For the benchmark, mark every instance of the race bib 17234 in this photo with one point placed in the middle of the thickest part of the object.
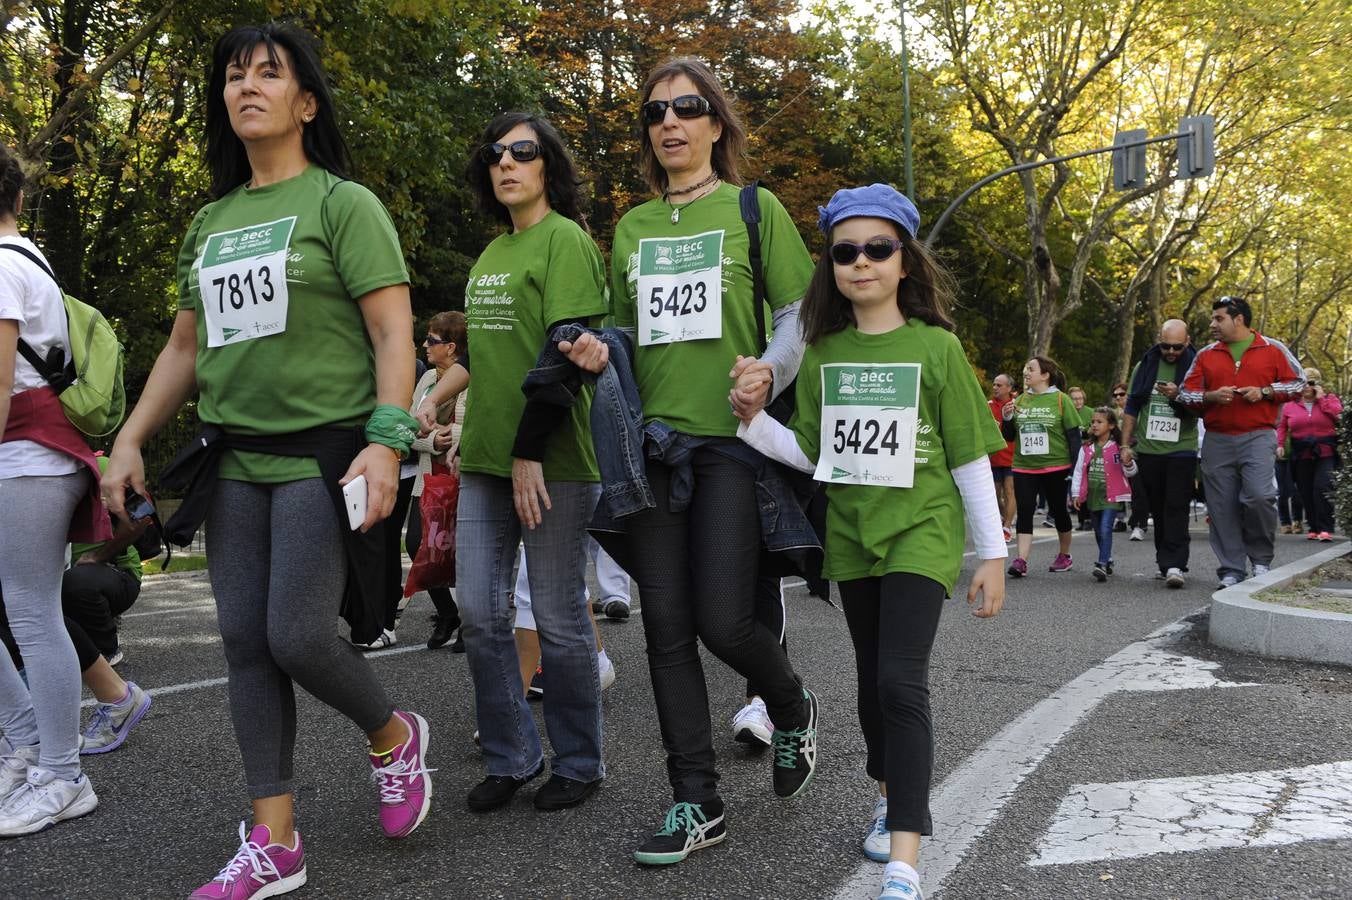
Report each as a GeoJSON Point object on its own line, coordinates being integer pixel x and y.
{"type": "Point", "coordinates": [870, 413]}
{"type": "Point", "coordinates": [242, 282]}
{"type": "Point", "coordinates": [1162, 424]}
{"type": "Point", "coordinates": [680, 288]}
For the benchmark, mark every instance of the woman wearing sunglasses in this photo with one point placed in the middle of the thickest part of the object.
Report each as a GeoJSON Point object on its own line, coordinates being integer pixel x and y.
{"type": "Point", "coordinates": [290, 257]}
{"type": "Point", "coordinates": [527, 468]}
{"type": "Point", "coordinates": [681, 283]}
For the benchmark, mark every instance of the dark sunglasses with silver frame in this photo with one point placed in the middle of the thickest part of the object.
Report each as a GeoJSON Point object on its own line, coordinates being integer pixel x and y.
{"type": "Point", "coordinates": [686, 106]}
{"type": "Point", "coordinates": [522, 151]}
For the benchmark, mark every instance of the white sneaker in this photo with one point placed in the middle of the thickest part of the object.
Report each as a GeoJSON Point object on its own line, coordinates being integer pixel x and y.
{"type": "Point", "coordinates": [752, 724]}
{"type": "Point", "coordinates": [43, 800]}
{"type": "Point", "coordinates": [898, 887]}
{"type": "Point", "coordinates": [1174, 577]}
{"type": "Point", "coordinates": [878, 841]}
{"type": "Point", "coordinates": [111, 722]}
{"type": "Point", "coordinates": [14, 763]}
{"type": "Point", "coordinates": [1260, 570]}
{"type": "Point", "coordinates": [607, 673]}
{"type": "Point", "coordinates": [1229, 581]}
{"type": "Point", "coordinates": [1137, 535]}
{"type": "Point", "coordinates": [387, 638]}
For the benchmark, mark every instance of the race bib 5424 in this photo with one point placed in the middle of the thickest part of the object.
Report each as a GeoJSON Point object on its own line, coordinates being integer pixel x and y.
{"type": "Point", "coordinates": [870, 413]}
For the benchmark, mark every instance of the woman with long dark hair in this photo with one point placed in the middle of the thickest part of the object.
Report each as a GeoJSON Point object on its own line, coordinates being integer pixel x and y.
{"type": "Point", "coordinates": [294, 325]}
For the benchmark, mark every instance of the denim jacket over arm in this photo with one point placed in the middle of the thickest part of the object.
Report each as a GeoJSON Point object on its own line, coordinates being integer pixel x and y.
{"type": "Point", "coordinates": [620, 437]}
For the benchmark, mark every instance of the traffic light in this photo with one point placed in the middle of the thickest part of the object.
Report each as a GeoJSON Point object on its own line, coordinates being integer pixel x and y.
{"type": "Point", "coordinates": [1197, 146]}
{"type": "Point", "coordinates": [1128, 162]}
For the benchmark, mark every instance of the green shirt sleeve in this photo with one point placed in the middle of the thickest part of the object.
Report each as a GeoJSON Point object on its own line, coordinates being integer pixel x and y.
{"type": "Point", "coordinates": [363, 241]}
{"type": "Point", "coordinates": [788, 266]}
{"type": "Point", "coordinates": [187, 255]}
{"type": "Point", "coordinates": [575, 280]}
{"type": "Point", "coordinates": [965, 422]}
{"type": "Point", "coordinates": [621, 304]}
{"type": "Point", "coordinates": [807, 414]}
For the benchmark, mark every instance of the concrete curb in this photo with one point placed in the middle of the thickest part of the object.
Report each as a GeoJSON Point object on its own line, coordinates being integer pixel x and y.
{"type": "Point", "coordinates": [1239, 622]}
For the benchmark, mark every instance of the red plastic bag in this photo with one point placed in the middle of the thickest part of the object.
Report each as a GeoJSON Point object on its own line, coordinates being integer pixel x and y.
{"type": "Point", "coordinates": [434, 563]}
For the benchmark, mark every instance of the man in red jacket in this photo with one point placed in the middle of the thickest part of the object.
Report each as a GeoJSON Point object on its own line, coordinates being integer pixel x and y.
{"type": "Point", "coordinates": [1002, 390]}
{"type": "Point", "coordinates": [1238, 383]}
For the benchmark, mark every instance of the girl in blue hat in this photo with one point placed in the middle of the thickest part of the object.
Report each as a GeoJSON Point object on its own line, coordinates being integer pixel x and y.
{"type": "Point", "coordinates": [891, 418]}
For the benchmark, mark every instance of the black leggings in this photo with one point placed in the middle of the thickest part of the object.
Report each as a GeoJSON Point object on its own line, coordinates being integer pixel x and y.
{"type": "Point", "coordinates": [770, 612]}
{"type": "Point", "coordinates": [1315, 478]}
{"type": "Point", "coordinates": [1053, 486]}
{"type": "Point", "coordinates": [892, 621]}
{"type": "Point", "coordinates": [692, 572]}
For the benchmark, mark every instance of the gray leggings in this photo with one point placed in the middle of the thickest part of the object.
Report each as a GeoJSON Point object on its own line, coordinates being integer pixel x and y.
{"type": "Point", "coordinates": [278, 570]}
{"type": "Point", "coordinates": [35, 513]}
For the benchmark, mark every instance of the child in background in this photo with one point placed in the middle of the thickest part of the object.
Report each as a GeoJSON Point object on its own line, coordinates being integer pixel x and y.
{"type": "Point", "coordinates": [1100, 484]}
{"type": "Point", "coordinates": [891, 417]}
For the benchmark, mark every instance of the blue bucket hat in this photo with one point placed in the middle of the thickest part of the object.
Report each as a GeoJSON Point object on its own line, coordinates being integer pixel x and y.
{"type": "Point", "coordinates": [879, 200]}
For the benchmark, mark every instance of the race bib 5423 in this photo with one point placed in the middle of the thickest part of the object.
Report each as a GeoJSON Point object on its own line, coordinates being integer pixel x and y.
{"type": "Point", "coordinates": [242, 282]}
{"type": "Point", "coordinates": [680, 288]}
{"type": "Point", "coordinates": [870, 413]}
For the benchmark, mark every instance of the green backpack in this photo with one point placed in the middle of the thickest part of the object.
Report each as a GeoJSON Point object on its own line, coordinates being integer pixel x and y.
{"type": "Point", "coordinates": [90, 382]}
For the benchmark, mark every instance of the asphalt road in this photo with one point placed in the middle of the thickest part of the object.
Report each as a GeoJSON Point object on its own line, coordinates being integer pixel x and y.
{"type": "Point", "coordinates": [172, 798]}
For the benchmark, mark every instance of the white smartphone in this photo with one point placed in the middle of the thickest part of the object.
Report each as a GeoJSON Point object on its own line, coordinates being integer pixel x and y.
{"type": "Point", "coordinates": [354, 498]}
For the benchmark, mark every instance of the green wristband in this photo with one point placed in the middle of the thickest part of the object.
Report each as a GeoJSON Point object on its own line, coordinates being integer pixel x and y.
{"type": "Point", "coordinates": [393, 427]}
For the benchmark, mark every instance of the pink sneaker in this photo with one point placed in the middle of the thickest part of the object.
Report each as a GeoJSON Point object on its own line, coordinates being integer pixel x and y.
{"type": "Point", "coordinates": [1325, 536]}
{"type": "Point", "coordinates": [260, 869]}
{"type": "Point", "coordinates": [1062, 563]}
{"type": "Point", "coordinates": [402, 774]}
{"type": "Point", "coordinates": [1019, 567]}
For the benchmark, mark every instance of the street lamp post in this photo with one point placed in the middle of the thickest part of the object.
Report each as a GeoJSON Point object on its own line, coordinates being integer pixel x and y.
{"type": "Point", "coordinates": [908, 163]}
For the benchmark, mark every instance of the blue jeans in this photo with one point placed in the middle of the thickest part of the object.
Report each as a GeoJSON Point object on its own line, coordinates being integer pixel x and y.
{"type": "Point", "coordinates": [487, 531]}
{"type": "Point", "coordinates": [1104, 520]}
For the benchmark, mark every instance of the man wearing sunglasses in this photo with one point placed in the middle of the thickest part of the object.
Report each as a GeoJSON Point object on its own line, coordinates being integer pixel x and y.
{"type": "Point", "coordinates": [1165, 444]}
{"type": "Point", "coordinates": [1238, 383]}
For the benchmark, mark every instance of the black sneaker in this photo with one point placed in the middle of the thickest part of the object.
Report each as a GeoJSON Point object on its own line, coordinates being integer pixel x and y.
{"type": "Point", "coordinates": [536, 690]}
{"type": "Point", "coordinates": [1100, 572]}
{"type": "Point", "coordinates": [688, 827]}
{"type": "Point", "coordinates": [598, 607]}
{"type": "Point", "coordinates": [796, 753]}
{"type": "Point", "coordinates": [497, 790]}
{"type": "Point", "coordinates": [617, 610]}
{"type": "Point", "coordinates": [561, 792]}
{"type": "Point", "coordinates": [458, 645]}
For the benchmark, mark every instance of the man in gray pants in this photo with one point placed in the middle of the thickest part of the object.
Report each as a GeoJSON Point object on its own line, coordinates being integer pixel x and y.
{"type": "Point", "coordinates": [1239, 382]}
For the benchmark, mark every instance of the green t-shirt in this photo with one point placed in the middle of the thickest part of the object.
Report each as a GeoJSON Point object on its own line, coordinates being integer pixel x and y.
{"type": "Point", "coordinates": [870, 530]}
{"type": "Point", "coordinates": [1238, 347]}
{"type": "Point", "coordinates": [1156, 417]}
{"type": "Point", "coordinates": [277, 355]}
{"type": "Point", "coordinates": [1041, 423]}
{"type": "Point", "coordinates": [128, 560]}
{"type": "Point", "coordinates": [1086, 414]}
{"type": "Point", "coordinates": [677, 268]}
{"type": "Point", "coordinates": [521, 284]}
{"type": "Point", "coordinates": [1098, 482]}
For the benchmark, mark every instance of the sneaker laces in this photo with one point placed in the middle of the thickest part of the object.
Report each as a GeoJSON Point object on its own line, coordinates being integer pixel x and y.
{"type": "Point", "coordinates": [683, 817]}
{"type": "Point", "coordinates": [103, 715]}
{"type": "Point", "coordinates": [787, 745]}
{"type": "Point", "coordinates": [392, 788]}
{"type": "Point", "coordinates": [251, 856]}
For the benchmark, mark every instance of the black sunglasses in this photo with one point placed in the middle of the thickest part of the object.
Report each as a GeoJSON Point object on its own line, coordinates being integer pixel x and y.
{"type": "Point", "coordinates": [434, 341]}
{"type": "Point", "coordinates": [522, 151]}
{"type": "Point", "coordinates": [686, 106]}
{"type": "Point", "coordinates": [877, 249]}
{"type": "Point", "coordinates": [1119, 393]}
{"type": "Point", "coordinates": [1174, 347]}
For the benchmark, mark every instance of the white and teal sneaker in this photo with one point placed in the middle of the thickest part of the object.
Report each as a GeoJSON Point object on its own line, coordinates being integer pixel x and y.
{"type": "Point", "coordinates": [796, 753]}
{"type": "Point", "coordinates": [899, 887]}
{"type": "Point", "coordinates": [687, 828]}
{"type": "Point", "coordinates": [878, 841]}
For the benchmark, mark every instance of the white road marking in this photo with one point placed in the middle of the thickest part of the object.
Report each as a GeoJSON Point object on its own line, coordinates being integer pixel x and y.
{"type": "Point", "coordinates": [971, 797]}
{"type": "Point", "coordinates": [170, 610]}
{"type": "Point", "coordinates": [1180, 815]}
{"type": "Point", "coordinates": [217, 682]}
